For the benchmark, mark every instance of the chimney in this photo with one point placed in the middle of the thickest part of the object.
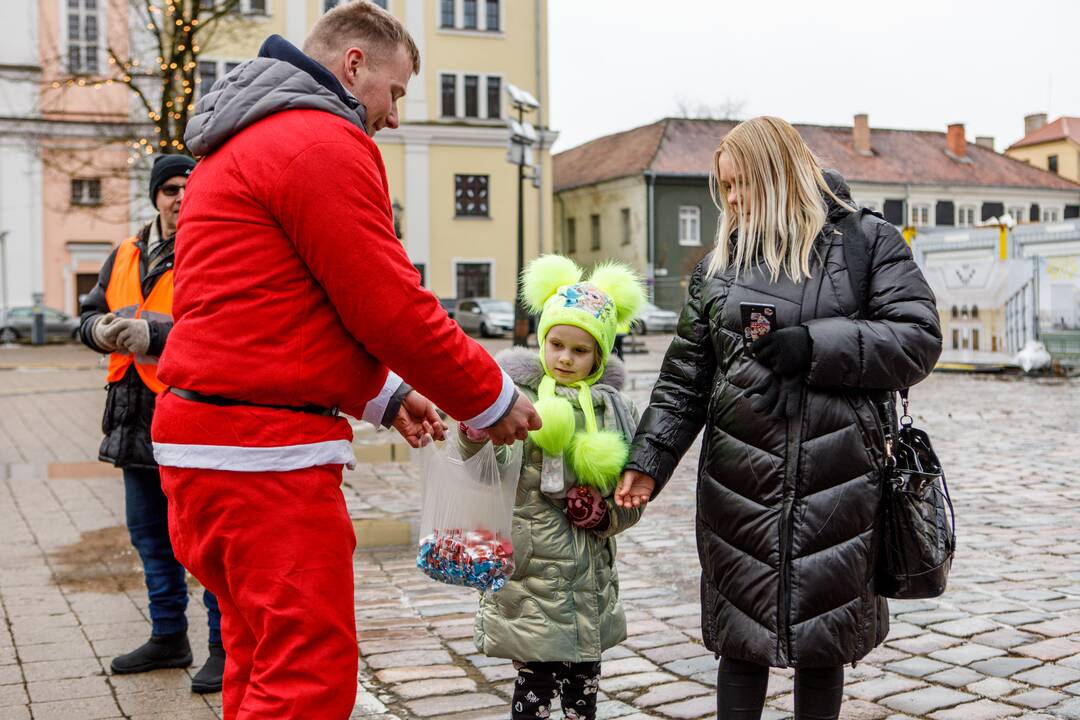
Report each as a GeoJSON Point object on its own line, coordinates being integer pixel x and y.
{"type": "Point", "coordinates": [955, 144]}
{"type": "Point", "coordinates": [985, 141]}
{"type": "Point", "coordinates": [1033, 122]}
{"type": "Point", "coordinates": [860, 135]}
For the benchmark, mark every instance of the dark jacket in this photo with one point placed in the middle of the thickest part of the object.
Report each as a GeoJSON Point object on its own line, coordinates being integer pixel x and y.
{"type": "Point", "coordinates": [787, 510]}
{"type": "Point", "coordinates": [129, 404]}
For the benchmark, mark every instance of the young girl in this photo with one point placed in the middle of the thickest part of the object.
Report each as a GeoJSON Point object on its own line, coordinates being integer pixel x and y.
{"type": "Point", "coordinates": [561, 610]}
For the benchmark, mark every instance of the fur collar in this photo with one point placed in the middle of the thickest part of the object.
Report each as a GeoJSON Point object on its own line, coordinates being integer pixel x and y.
{"type": "Point", "coordinates": [524, 368]}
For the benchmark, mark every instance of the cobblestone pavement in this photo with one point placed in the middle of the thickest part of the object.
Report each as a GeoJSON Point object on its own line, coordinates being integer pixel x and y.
{"type": "Point", "coordinates": [1003, 642]}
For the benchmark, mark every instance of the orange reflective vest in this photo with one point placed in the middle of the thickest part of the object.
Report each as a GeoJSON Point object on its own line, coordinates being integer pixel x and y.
{"type": "Point", "coordinates": [125, 298]}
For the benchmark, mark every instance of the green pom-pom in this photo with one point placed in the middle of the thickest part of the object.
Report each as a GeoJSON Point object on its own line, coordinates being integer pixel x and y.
{"type": "Point", "coordinates": [543, 278]}
{"type": "Point", "coordinates": [557, 416]}
{"type": "Point", "coordinates": [598, 459]}
{"type": "Point", "coordinates": [623, 286]}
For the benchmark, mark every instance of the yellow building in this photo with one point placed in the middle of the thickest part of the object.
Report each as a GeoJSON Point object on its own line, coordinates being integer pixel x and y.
{"type": "Point", "coordinates": [454, 193]}
{"type": "Point", "coordinates": [1054, 146]}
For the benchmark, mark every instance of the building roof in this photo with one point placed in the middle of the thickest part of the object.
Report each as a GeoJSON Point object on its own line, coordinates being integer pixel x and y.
{"type": "Point", "coordinates": [1064, 128]}
{"type": "Point", "coordinates": [678, 146]}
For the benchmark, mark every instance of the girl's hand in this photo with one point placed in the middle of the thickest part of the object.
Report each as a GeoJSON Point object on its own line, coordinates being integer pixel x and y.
{"type": "Point", "coordinates": [634, 490]}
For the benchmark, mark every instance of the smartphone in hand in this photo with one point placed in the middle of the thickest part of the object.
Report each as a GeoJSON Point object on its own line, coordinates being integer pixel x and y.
{"type": "Point", "coordinates": [758, 320]}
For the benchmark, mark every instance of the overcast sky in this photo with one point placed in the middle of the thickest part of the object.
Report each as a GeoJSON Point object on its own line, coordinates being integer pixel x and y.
{"type": "Point", "coordinates": [911, 64]}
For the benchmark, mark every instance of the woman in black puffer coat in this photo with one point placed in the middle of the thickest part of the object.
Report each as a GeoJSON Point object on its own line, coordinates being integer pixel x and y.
{"type": "Point", "coordinates": [789, 481]}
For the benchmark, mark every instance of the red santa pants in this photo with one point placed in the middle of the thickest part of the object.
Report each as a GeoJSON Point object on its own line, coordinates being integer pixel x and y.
{"type": "Point", "coordinates": [276, 549]}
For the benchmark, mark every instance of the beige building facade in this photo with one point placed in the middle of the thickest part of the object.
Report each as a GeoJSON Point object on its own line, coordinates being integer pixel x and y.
{"type": "Point", "coordinates": [72, 187]}
{"type": "Point", "coordinates": [451, 146]}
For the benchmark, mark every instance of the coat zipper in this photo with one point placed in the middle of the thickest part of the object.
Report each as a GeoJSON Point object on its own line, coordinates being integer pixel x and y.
{"type": "Point", "coordinates": [791, 468]}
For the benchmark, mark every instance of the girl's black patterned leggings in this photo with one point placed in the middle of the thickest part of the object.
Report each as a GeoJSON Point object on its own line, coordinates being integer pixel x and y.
{"type": "Point", "coordinates": [539, 683]}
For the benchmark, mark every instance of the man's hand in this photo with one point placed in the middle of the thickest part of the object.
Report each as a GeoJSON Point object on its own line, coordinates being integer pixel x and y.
{"type": "Point", "coordinates": [635, 489]}
{"type": "Point", "coordinates": [98, 332]}
{"type": "Point", "coordinates": [134, 337]}
{"type": "Point", "coordinates": [516, 424]}
{"type": "Point", "coordinates": [416, 418]}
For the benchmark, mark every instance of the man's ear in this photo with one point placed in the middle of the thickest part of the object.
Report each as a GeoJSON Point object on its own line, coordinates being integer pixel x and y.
{"type": "Point", "coordinates": [355, 60]}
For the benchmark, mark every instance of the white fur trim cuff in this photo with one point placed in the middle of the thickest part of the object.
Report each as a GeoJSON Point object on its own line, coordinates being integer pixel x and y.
{"type": "Point", "coordinates": [235, 458]}
{"type": "Point", "coordinates": [498, 408]}
{"type": "Point", "coordinates": [376, 406]}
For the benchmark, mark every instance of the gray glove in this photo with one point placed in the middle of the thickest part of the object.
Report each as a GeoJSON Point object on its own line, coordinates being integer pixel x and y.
{"type": "Point", "coordinates": [134, 337]}
{"type": "Point", "coordinates": [101, 332]}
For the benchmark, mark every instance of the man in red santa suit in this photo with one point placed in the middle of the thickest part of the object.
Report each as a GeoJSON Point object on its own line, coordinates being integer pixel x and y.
{"type": "Point", "coordinates": [294, 299]}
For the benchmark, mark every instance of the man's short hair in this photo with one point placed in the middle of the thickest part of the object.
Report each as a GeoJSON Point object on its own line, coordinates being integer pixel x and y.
{"type": "Point", "coordinates": [361, 24]}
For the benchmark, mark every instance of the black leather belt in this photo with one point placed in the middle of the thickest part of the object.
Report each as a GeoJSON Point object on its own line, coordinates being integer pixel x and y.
{"type": "Point", "coordinates": [229, 402]}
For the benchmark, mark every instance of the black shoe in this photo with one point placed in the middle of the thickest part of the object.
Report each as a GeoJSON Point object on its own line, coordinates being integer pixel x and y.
{"type": "Point", "coordinates": [160, 651]}
{"type": "Point", "coordinates": [208, 679]}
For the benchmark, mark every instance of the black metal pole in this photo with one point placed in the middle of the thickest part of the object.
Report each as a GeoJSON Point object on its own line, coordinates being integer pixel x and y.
{"type": "Point", "coordinates": [521, 316]}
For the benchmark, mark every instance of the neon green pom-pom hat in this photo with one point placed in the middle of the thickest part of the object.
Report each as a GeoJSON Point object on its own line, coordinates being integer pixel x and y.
{"type": "Point", "coordinates": [609, 300]}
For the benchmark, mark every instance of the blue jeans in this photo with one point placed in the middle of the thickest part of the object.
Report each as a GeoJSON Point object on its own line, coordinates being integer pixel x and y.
{"type": "Point", "coordinates": [166, 583]}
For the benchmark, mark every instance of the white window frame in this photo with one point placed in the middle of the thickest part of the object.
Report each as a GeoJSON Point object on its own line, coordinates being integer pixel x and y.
{"type": "Point", "coordinates": [482, 100]}
{"type": "Point", "coordinates": [481, 19]}
{"type": "Point", "coordinates": [268, 12]}
{"type": "Point", "coordinates": [103, 40]}
{"type": "Point", "coordinates": [1019, 214]}
{"type": "Point", "coordinates": [219, 68]}
{"type": "Point", "coordinates": [454, 262]}
{"type": "Point", "coordinates": [689, 225]}
{"type": "Point", "coordinates": [1050, 214]}
{"type": "Point", "coordinates": [961, 210]}
{"type": "Point", "coordinates": [626, 226]}
{"type": "Point", "coordinates": [473, 216]}
{"type": "Point", "coordinates": [85, 199]}
{"type": "Point", "coordinates": [918, 209]}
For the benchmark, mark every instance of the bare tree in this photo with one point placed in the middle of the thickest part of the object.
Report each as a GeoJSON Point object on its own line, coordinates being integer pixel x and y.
{"type": "Point", "coordinates": [729, 109]}
{"type": "Point", "coordinates": [178, 30]}
{"type": "Point", "coordinates": [157, 61]}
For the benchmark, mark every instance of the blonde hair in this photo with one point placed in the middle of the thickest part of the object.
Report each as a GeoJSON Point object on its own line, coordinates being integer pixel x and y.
{"type": "Point", "coordinates": [781, 200]}
{"type": "Point", "coordinates": [362, 24]}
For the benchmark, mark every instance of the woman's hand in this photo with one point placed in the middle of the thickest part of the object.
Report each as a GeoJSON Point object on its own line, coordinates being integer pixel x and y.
{"type": "Point", "coordinates": [635, 489]}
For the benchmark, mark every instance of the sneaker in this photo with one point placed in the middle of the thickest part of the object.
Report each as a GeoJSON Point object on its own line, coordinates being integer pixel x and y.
{"type": "Point", "coordinates": [160, 651]}
{"type": "Point", "coordinates": [208, 679]}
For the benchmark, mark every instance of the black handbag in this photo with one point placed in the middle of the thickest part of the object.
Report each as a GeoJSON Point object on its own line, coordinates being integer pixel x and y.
{"type": "Point", "coordinates": [917, 533]}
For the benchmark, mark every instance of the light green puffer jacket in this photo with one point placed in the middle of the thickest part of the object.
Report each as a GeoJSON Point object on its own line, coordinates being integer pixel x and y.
{"type": "Point", "coordinates": [562, 603]}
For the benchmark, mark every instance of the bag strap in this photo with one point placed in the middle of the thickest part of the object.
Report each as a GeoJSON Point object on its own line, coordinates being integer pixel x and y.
{"type": "Point", "coordinates": [857, 254]}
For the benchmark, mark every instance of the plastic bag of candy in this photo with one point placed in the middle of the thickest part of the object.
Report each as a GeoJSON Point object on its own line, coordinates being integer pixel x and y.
{"type": "Point", "coordinates": [466, 513]}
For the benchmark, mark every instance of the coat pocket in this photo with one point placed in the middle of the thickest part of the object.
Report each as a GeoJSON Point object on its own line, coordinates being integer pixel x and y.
{"type": "Point", "coordinates": [521, 536]}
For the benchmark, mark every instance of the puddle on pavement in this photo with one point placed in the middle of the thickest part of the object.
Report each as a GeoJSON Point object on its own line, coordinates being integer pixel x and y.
{"type": "Point", "coordinates": [102, 561]}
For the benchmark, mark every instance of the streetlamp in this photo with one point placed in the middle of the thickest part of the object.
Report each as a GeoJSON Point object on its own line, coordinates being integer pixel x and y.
{"type": "Point", "coordinates": [522, 137]}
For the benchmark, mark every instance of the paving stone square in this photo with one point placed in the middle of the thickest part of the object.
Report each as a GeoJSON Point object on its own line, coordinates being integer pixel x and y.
{"type": "Point", "coordinates": [1004, 641]}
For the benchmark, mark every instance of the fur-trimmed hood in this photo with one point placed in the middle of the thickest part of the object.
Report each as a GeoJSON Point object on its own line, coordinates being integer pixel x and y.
{"type": "Point", "coordinates": [524, 368]}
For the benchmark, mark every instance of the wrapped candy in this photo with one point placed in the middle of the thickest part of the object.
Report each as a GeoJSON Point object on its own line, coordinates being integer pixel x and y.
{"type": "Point", "coordinates": [477, 559]}
{"type": "Point", "coordinates": [466, 514]}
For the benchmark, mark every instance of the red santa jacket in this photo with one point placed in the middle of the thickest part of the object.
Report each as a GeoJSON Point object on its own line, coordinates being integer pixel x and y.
{"type": "Point", "coordinates": [292, 289]}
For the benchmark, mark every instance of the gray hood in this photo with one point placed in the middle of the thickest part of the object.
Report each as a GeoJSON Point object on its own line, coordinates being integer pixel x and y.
{"type": "Point", "coordinates": [255, 90]}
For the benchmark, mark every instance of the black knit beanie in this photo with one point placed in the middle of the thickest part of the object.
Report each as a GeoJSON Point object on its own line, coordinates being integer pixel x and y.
{"type": "Point", "coordinates": [168, 166]}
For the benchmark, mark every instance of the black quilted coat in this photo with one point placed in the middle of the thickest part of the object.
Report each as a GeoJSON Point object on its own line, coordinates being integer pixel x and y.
{"type": "Point", "coordinates": [786, 509]}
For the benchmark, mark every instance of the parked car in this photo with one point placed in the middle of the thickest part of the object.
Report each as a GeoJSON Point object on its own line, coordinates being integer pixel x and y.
{"type": "Point", "coordinates": [18, 321]}
{"type": "Point", "coordinates": [486, 317]}
{"type": "Point", "coordinates": [449, 305]}
{"type": "Point", "coordinates": [654, 319]}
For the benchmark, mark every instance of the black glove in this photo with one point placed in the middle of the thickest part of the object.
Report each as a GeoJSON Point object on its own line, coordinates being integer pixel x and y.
{"type": "Point", "coordinates": [785, 351]}
{"type": "Point", "coordinates": [776, 396]}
